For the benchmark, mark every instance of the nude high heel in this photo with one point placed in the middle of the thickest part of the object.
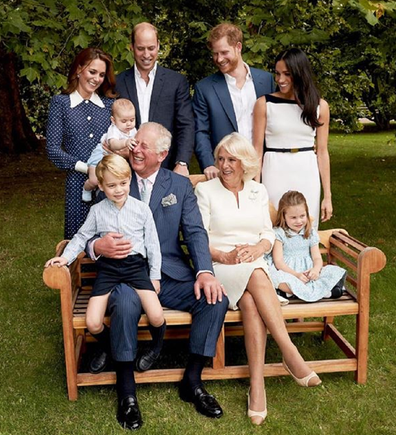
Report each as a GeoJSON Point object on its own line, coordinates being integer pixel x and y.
{"type": "Point", "coordinates": [303, 382]}
{"type": "Point", "coordinates": [261, 414]}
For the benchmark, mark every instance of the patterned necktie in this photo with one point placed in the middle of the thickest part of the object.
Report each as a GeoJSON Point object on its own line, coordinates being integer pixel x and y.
{"type": "Point", "coordinates": [144, 193]}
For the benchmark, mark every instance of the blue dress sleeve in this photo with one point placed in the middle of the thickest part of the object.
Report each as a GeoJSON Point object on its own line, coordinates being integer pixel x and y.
{"type": "Point", "coordinates": [313, 238]}
{"type": "Point", "coordinates": [280, 234]}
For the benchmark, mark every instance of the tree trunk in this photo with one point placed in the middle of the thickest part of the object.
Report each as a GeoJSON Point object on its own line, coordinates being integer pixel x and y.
{"type": "Point", "coordinates": [16, 134]}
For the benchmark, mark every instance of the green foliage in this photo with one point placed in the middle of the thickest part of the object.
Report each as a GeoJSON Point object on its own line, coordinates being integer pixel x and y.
{"type": "Point", "coordinates": [351, 43]}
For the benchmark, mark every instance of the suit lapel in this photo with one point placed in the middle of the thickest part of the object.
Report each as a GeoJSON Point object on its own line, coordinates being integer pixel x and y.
{"type": "Point", "coordinates": [134, 189]}
{"type": "Point", "coordinates": [132, 92]}
{"type": "Point", "coordinates": [159, 189]}
{"type": "Point", "coordinates": [157, 89]}
{"type": "Point", "coordinates": [220, 87]}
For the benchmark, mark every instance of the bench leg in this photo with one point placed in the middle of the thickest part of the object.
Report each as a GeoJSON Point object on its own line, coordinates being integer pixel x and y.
{"type": "Point", "coordinates": [327, 321]}
{"type": "Point", "coordinates": [219, 359]}
{"type": "Point", "coordinates": [362, 334]}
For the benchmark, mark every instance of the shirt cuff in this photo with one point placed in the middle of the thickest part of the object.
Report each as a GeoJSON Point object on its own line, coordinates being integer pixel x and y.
{"type": "Point", "coordinates": [203, 271]}
{"type": "Point", "coordinates": [81, 167]}
{"type": "Point", "coordinates": [91, 250]}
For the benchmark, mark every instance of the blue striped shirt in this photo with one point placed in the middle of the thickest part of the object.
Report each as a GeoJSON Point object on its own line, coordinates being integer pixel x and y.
{"type": "Point", "coordinates": [134, 220]}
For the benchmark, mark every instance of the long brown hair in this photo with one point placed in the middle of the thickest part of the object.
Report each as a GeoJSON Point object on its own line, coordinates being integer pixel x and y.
{"type": "Point", "coordinates": [290, 199]}
{"type": "Point", "coordinates": [305, 91]}
{"type": "Point", "coordinates": [83, 59]}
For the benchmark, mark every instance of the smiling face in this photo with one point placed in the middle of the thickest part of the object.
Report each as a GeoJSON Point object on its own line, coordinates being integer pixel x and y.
{"type": "Point", "coordinates": [144, 158]}
{"type": "Point", "coordinates": [225, 56]}
{"type": "Point", "coordinates": [296, 217]}
{"type": "Point", "coordinates": [145, 49]}
{"type": "Point", "coordinates": [115, 188]}
{"type": "Point", "coordinates": [91, 76]}
{"type": "Point", "coordinates": [124, 119]}
{"type": "Point", "coordinates": [231, 170]}
{"type": "Point", "coordinates": [284, 79]}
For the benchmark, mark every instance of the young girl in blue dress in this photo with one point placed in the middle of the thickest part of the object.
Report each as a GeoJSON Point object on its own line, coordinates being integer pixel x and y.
{"type": "Point", "coordinates": [296, 265]}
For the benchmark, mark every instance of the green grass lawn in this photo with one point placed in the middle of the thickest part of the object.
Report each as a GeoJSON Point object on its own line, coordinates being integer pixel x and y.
{"type": "Point", "coordinates": [33, 398]}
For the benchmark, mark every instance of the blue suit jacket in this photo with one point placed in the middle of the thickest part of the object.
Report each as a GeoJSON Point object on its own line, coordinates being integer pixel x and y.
{"type": "Point", "coordinates": [170, 106]}
{"type": "Point", "coordinates": [214, 114]}
{"type": "Point", "coordinates": [184, 214]}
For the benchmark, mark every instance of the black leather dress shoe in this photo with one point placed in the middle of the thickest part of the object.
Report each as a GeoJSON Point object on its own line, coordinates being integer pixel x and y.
{"type": "Point", "coordinates": [146, 361]}
{"type": "Point", "coordinates": [99, 362]}
{"type": "Point", "coordinates": [204, 402]}
{"type": "Point", "coordinates": [128, 414]}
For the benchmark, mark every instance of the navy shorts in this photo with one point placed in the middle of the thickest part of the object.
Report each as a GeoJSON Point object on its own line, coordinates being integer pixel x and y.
{"type": "Point", "coordinates": [132, 270]}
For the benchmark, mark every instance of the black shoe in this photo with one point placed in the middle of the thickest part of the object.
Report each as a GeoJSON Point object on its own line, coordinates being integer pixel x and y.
{"type": "Point", "coordinates": [128, 414]}
{"type": "Point", "coordinates": [99, 362]}
{"type": "Point", "coordinates": [204, 402]}
{"type": "Point", "coordinates": [338, 289]}
{"type": "Point", "coordinates": [146, 361]}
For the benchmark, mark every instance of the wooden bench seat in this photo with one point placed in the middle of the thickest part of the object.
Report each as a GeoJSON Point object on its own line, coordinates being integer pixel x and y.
{"type": "Point", "coordinates": [360, 261]}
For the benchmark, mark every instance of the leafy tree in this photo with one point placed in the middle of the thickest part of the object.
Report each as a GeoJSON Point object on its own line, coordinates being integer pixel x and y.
{"type": "Point", "coordinates": [39, 40]}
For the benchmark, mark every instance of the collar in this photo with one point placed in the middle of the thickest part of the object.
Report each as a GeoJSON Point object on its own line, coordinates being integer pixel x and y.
{"type": "Point", "coordinates": [76, 99]}
{"type": "Point", "coordinates": [232, 80]}
{"type": "Point", "coordinates": [151, 178]}
{"type": "Point", "coordinates": [292, 233]}
{"type": "Point", "coordinates": [151, 73]}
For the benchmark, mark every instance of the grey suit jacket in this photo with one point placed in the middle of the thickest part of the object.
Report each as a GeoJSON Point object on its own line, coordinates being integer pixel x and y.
{"type": "Point", "coordinates": [214, 113]}
{"type": "Point", "coordinates": [170, 106]}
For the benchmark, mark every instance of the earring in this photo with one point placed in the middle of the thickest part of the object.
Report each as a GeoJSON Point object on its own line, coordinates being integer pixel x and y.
{"type": "Point", "coordinates": [78, 76]}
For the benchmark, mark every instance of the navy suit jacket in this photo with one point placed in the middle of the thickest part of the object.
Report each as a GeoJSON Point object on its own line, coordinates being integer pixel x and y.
{"type": "Point", "coordinates": [214, 113]}
{"type": "Point", "coordinates": [170, 106]}
{"type": "Point", "coordinates": [184, 214]}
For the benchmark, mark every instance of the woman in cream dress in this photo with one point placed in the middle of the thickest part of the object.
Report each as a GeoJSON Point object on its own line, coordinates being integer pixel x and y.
{"type": "Point", "coordinates": [294, 121]}
{"type": "Point", "coordinates": [235, 213]}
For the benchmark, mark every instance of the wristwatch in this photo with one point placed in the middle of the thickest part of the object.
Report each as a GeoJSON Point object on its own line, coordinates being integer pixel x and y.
{"type": "Point", "coordinates": [181, 163]}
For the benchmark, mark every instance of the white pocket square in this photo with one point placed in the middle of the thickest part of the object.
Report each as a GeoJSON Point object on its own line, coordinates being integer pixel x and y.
{"type": "Point", "coordinates": [169, 200]}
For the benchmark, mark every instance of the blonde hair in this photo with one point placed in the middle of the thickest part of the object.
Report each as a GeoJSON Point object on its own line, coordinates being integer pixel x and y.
{"type": "Point", "coordinates": [230, 31]}
{"type": "Point", "coordinates": [140, 27]}
{"type": "Point", "coordinates": [290, 199]}
{"type": "Point", "coordinates": [115, 164]}
{"type": "Point", "coordinates": [164, 137]}
{"type": "Point", "coordinates": [121, 103]}
{"type": "Point", "coordinates": [240, 148]}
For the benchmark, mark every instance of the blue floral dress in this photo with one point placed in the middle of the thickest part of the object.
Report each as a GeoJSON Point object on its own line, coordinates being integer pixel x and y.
{"type": "Point", "coordinates": [297, 255]}
{"type": "Point", "coordinates": [72, 134]}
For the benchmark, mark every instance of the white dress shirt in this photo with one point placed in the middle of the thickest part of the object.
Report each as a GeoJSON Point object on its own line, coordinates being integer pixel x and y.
{"type": "Point", "coordinates": [144, 92]}
{"type": "Point", "coordinates": [243, 101]}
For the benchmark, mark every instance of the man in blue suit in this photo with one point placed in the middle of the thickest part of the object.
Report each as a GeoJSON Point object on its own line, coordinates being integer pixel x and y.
{"type": "Point", "coordinates": [160, 95]}
{"type": "Point", "coordinates": [173, 203]}
{"type": "Point", "coordinates": [224, 102]}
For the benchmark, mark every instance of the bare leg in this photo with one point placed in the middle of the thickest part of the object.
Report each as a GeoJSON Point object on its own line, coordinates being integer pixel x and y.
{"type": "Point", "coordinates": [92, 182]}
{"type": "Point", "coordinates": [255, 334]}
{"type": "Point", "coordinates": [95, 313]}
{"type": "Point", "coordinates": [285, 288]}
{"type": "Point", "coordinates": [151, 306]}
{"type": "Point", "coordinates": [268, 306]}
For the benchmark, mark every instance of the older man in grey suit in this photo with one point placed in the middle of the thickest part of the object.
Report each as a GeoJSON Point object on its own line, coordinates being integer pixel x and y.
{"type": "Point", "coordinates": [173, 203]}
{"type": "Point", "coordinates": [223, 102]}
{"type": "Point", "coordinates": [160, 95]}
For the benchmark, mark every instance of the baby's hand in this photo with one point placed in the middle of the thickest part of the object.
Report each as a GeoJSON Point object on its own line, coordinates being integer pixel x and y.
{"type": "Point", "coordinates": [60, 261]}
{"type": "Point", "coordinates": [130, 144]}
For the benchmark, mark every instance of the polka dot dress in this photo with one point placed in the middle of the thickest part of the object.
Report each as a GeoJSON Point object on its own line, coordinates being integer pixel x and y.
{"type": "Point", "coordinates": [72, 134]}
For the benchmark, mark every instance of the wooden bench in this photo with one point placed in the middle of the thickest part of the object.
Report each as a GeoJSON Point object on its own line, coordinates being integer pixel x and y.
{"type": "Point", "coordinates": [338, 248]}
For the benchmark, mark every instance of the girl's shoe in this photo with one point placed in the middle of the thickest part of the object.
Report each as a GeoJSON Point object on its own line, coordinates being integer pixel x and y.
{"type": "Point", "coordinates": [261, 414]}
{"type": "Point", "coordinates": [304, 382]}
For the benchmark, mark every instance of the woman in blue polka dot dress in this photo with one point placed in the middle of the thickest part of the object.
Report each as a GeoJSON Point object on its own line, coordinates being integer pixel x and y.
{"type": "Point", "coordinates": [77, 120]}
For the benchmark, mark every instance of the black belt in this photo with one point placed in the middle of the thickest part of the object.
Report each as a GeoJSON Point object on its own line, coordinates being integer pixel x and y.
{"type": "Point", "coordinates": [289, 150]}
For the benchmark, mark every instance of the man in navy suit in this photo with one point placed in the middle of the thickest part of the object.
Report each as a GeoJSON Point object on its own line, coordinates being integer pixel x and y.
{"type": "Point", "coordinates": [173, 203]}
{"type": "Point", "coordinates": [224, 102]}
{"type": "Point", "coordinates": [160, 95]}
